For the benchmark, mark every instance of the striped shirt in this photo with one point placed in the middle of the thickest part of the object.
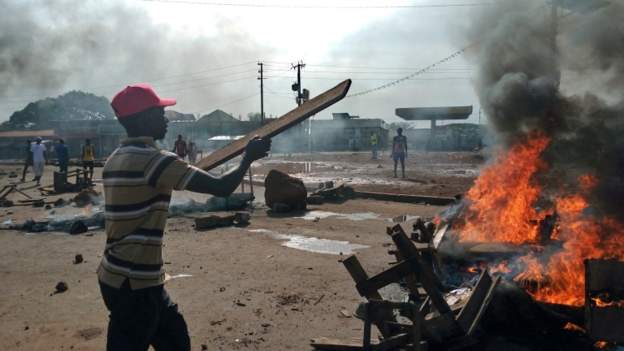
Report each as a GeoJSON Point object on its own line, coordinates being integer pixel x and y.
{"type": "Point", "coordinates": [138, 180]}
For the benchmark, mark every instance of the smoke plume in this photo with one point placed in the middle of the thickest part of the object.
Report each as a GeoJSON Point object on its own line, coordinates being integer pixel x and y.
{"type": "Point", "coordinates": [566, 84]}
{"type": "Point", "coordinates": [49, 47]}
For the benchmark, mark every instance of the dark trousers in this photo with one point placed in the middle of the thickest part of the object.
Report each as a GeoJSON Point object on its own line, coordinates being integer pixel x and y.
{"type": "Point", "coordinates": [27, 163]}
{"type": "Point", "coordinates": [62, 166]}
{"type": "Point", "coordinates": [144, 317]}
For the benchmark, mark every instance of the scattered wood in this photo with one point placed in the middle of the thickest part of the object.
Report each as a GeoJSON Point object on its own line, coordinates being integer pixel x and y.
{"type": "Point", "coordinates": [431, 317]}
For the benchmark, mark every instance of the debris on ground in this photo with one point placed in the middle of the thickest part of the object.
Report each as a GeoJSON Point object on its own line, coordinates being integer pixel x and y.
{"type": "Point", "coordinates": [61, 287]}
{"type": "Point", "coordinates": [78, 227]}
{"type": "Point", "coordinates": [330, 192]}
{"type": "Point", "coordinates": [280, 188]}
{"type": "Point", "coordinates": [314, 200]}
{"type": "Point", "coordinates": [60, 202]}
{"type": "Point", "coordinates": [6, 203]}
{"type": "Point", "coordinates": [214, 221]}
{"type": "Point", "coordinates": [78, 259]}
{"type": "Point", "coordinates": [87, 197]}
{"type": "Point", "coordinates": [234, 202]}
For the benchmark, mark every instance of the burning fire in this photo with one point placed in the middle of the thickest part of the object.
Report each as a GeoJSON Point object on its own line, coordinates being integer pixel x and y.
{"type": "Point", "coordinates": [502, 208]}
{"type": "Point", "coordinates": [502, 198]}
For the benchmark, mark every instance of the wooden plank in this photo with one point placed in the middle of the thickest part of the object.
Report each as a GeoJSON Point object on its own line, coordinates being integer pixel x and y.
{"type": "Point", "coordinates": [275, 127]}
{"type": "Point", "coordinates": [471, 314]}
{"type": "Point", "coordinates": [359, 275]}
{"type": "Point", "coordinates": [428, 280]}
{"type": "Point", "coordinates": [389, 276]}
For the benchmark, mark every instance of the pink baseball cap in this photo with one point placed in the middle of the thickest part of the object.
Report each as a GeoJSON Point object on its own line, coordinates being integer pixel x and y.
{"type": "Point", "coordinates": [137, 98]}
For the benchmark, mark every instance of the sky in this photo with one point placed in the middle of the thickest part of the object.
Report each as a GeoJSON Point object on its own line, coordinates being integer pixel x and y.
{"type": "Point", "coordinates": [206, 55]}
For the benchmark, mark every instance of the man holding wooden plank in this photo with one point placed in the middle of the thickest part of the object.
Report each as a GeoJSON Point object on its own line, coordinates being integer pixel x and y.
{"type": "Point", "coordinates": [138, 180]}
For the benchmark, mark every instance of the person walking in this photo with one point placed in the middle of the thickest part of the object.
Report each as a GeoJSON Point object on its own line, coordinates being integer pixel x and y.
{"type": "Point", "coordinates": [374, 141]}
{"type": "Point", "coordinates": [62, 155]}
{"type": "Point", "coordinates": [39, 155]}
{"type": "Point", "coordinates": [28, 159]}
{"type": "Point", "coordinates": [138, 180]}
{"type": "Point", "coordinates": [192, 152]}
{"type": "Point", "coordinates": [88, 159]}
{"type": "Point", "coordinates": [399, 151]}
{"type": "Point", "coordinates": [180, 147]}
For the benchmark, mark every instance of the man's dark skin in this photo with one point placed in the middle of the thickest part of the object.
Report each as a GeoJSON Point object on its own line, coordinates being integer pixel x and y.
{"type": "Point", "coordinates": [153, 123]}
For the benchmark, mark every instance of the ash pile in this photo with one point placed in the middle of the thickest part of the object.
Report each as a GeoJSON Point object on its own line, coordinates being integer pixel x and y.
{"type": "Point", "coordinates": [461, 302]}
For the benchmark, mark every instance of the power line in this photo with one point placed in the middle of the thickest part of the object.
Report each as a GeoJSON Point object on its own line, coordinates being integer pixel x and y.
{"type": "Point", "coordinates": [408, 77]}
{"type": "Point", "coordinates": [383, 79]}
{"type": "Point", "coordinates": [307, 7]}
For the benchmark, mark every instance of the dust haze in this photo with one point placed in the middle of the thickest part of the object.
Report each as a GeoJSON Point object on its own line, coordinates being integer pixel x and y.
{"type": "Point", "coordinates": [50, 47]}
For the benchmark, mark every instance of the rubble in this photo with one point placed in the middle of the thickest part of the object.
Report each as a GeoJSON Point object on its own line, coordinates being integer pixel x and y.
{"type": "Point", "coordinates": [87, 197]}
{"type": "Point", "coordinates": [60, 287]}
{"type": "Point", "coordinates": [78, 259]}
{"type": "Point", "coordinates": [78, 227]}
{"type": "Point", "coordinates": [334, 193]}
{"type": "Point", "coordinates": [289, 192]}
{"type": "Point", "coordinates": [214, 221]}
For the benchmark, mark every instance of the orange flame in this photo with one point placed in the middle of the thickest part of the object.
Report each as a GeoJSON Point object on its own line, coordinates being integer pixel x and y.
{"type": "Point", "coordinates": [502, 208]}
{"type": "Point", "coordinates": [502, 198]}
{"type": "Point", "coordinates": [602, 303]}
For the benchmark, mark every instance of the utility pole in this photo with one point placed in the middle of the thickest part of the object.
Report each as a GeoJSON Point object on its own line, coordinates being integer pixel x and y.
{"type": "Point", "coordinates": [261, 78]}
{"type": "Point", "coordinates": [297, 86]}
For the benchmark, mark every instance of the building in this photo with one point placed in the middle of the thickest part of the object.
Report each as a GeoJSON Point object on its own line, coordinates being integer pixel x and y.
{"type": "Point", "coordinates": [343, 132]}
{"type": "Point", "coordinates": [449, 137]}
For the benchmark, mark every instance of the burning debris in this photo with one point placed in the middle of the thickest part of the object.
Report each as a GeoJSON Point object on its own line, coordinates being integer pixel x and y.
{"type": "Point", "coordinates": [555, 185]}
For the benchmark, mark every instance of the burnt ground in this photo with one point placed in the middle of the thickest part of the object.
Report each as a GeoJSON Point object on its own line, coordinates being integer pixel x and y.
{"type": "Point", "coordinates": [246, 290]}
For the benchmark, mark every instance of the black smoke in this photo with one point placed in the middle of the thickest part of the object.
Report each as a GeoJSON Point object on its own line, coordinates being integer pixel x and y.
{"type": "Point", "coordinates": [566, 82]}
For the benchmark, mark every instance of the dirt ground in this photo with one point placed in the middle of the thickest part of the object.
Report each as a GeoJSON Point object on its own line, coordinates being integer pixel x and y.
{"type": "Point", "coordinates": [238, 288]}
{"type": "Point", "coordinates": [427, 173]}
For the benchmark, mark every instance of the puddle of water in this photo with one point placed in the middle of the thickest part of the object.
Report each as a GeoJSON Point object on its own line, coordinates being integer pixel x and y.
{"type": "Point", "coordinates": [313, 215]}
{"type": "Point", "coordinates": [313, 244]}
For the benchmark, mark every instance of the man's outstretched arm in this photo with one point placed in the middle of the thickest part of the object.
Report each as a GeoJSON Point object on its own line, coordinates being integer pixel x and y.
{"type": "Point", "coordinates": [203, 182]}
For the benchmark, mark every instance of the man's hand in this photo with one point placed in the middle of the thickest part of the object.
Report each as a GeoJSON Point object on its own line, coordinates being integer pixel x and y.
{"type": "Point", "coordinates": [257, 148]}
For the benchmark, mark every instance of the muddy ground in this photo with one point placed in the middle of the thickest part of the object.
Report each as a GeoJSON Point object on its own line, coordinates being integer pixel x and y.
{"type": "Point", "coordinates": [270, 285]}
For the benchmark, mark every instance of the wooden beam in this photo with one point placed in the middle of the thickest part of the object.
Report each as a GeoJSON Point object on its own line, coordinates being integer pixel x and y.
{"type": "Point", "coordinates": [389, 276]}
{"type": "Point", "coordinates": [277, 126]}
{"type": "Point", "coordinates": [426, 276]}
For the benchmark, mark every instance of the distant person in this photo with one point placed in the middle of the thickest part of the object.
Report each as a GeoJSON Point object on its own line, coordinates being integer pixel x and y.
{"type": "Point", "coordinates": [88, 158]}
{"type": "Point", "coordinates": [28, 159]}
{"type": "Point", "coordinates": [62, 155]}
{"type": "Point", "coordinates": [399, 151]}
{"type": "Point", "coordinates": [179, 148]}
{"type": "Point", "coordinates": [39, 159]}
{"type": "Point", "coordinates": [192, 152]}
{"type": "Point", "coordinates": [374, 141]}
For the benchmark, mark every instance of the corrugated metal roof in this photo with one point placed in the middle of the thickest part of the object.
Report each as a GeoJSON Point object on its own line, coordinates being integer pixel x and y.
{"type": "Point", "coordinates": [28, 133]}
